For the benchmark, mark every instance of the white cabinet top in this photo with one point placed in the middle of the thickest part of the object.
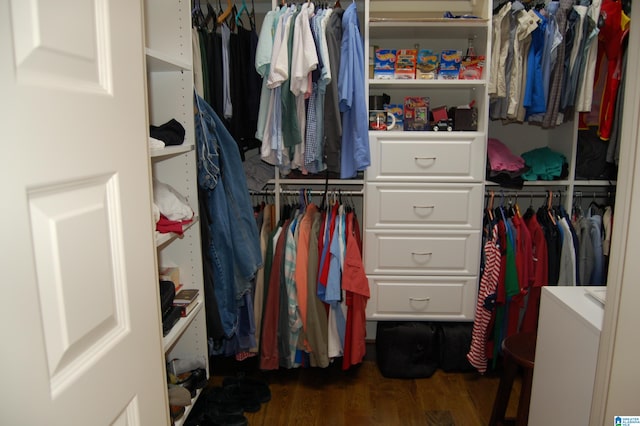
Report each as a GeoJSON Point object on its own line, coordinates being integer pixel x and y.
{"type": "Point", "coordinates": [582, 304]}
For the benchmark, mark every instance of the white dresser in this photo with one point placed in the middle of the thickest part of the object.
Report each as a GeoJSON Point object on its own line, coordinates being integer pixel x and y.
{"type": "Point", "coordinates": [424, 190]}
{"type": "Point", "coordinates": [566, 355]}
{"type": "Point", "coordinates": [422, 228]}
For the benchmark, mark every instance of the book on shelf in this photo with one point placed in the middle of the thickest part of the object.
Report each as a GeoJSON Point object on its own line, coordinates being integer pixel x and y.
{"type": "Point", "coordinates": [186, 309]}
{"type": "Point", "coordinates": [186, 300]}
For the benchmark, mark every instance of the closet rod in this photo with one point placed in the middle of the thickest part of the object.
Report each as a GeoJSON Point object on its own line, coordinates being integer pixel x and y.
{"type": "Point", "coordinates": [311, 192]}
{"type": "Point", "coordinates": [541, 194]}
{"type": "Point", "coordinates": [598, 194]}
{"type": "Point", "coordinates": [523, 194]}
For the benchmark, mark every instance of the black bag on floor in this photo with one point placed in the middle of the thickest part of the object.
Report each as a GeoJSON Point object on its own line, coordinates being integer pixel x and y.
{"type": "Point", "coordinates": [407, 349]}
{"type": "Point", "coordinates": [455, 341]}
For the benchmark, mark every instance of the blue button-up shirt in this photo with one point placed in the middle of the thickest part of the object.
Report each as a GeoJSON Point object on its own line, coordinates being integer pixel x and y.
{"type": "Point", "coordinates": [355, 153]}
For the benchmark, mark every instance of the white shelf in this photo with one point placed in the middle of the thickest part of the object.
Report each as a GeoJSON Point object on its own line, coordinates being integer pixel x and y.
{"type": "Point", "coordinates": [161, 62]}
{"type": "Point", "coordinates": [432, 84]}
{"type": "Point", "coordinates": [533, 183]}
{"type": "Point", "coordinates": [187, 410]}
{"type": "Point", "coordinates": [425, 134]}
{"type": "Point", "coordinates": [164, 239]}
{"type": "Point", "coordinates": [594, 182]}
{"type": "Point", "coordinates": [179, 328]}
{"type": "Point", "coordinates": [169, 78]}
{"type": "Point", "coordinates": [170, 151]}
{"type": "Point", "coordinates": [438, 28]}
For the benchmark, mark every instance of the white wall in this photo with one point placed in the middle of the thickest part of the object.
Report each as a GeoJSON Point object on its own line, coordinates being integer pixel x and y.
{"type": "Point", "coordinates": [617, 383]}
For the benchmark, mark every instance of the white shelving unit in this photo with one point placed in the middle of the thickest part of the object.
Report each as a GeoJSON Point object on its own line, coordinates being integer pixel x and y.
{"type": "Point", "coordinates": [424, 189]}
{"type": "Point", "coordinates": [170, 96]}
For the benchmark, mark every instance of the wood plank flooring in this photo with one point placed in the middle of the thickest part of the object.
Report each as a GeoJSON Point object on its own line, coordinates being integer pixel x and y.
{"type": "Point", "coordinates": [363, 397]}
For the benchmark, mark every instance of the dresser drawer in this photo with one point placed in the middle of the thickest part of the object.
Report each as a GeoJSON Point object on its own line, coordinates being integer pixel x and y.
{"type": "Point", "coordinates": [427, 156]}
{"type": "Point", "coordinates": [392, 205]}
{"type": "Point", "coordinates": [433, 298]}
{"type": "Point", "coordinates": [422, 252]}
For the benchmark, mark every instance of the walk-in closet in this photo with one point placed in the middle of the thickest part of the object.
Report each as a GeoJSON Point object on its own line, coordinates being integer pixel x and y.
{"type": "Point", "coordinates": [267, 212]}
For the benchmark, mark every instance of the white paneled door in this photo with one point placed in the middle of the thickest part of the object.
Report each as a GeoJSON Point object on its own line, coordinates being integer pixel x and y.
{"type": "Point", "coordinates": [80, 334]}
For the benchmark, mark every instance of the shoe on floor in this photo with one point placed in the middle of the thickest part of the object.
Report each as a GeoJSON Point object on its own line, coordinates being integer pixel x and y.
{"type": "Point", "coordinates": [258, 386]}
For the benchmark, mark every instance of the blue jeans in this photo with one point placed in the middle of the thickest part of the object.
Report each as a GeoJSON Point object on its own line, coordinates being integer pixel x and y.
{"type": "Point", "coordinates": [235, 246]}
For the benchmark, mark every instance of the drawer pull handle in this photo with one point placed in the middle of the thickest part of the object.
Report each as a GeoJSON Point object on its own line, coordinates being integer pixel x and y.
{"type": "Point", "coordinates": [425, 158]}
{"type": "Point", "coordinates": [424, 207]}
{"type": "Point", "coordinates": [424, 253]}
{"type": "Point", "coordinates": [420, 299]}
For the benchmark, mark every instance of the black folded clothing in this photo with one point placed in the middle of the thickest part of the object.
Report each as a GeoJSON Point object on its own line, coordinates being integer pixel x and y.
{"type": "Point", "coordinates": [257, 386]}
{"type": "Point", "coordinates": [169, 319]}
{"type": "Point", "coordinates": [171, 132]}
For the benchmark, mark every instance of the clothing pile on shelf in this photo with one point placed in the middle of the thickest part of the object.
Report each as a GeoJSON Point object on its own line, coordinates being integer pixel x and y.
{"type": "Point", "coordinates": [167, 134]}
{"type": "Point", "coordinates": [503, 166]}
{"type": "Point", "coordinates": [312, 114]}
{"type": "Point", "coordinates": [511, 171]}
{"type": "Point", "coordinates": [547, 61]}
{"type": "Point", "coordinates": [311, 296]}
{"type": "Point", "coordinates": [545, 164]}
{"type": "Point", "coordinates": [171, 209]}
{"type": "Point", "coordinates": [522, 253]}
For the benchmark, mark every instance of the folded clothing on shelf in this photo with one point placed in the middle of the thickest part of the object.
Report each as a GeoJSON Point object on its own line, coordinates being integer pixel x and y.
{"type": "Point", "coordinates": [171, 132]}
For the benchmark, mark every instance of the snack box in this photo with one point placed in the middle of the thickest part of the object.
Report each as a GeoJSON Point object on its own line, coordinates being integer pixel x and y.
{"type": "Point", "coordinates": [427, 65]}
{"type": "Point", "coordinates": [416, 113]}
{"type": "Point", "coordinates": [450, 64]}
{"type": "Point", "coordinates": [406, 64]}
{"type": "Point", "coordinates": [384, 64]}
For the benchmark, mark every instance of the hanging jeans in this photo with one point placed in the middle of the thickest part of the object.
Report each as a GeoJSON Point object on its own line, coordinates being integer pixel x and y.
{"type": "Point", "coordinates": [234, 247]}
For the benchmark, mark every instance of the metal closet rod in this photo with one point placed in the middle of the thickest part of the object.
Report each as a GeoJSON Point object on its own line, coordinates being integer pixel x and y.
{"type": "Point", "coordinates": [541, 194]}
{"type": "Point", "coordinates": [308, 191]}
{"type": "Point", "coordinates": [599, 194]}
{"type": "Point", "coordinates": [523, 194]}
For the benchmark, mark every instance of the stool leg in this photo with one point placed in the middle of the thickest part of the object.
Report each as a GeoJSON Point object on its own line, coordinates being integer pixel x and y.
{"type": "Point", "coordinates": [525, 398]}
{"type": "Point", "coordinates": [504, 392]}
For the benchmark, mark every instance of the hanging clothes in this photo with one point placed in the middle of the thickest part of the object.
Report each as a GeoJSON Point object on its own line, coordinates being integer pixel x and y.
{"type": "Point", "coordinates": [356, 287]}
{"type": "Point", "coordinates": [233, 247]}
{"type": "Point", "coordinates": [545, 63]}
{"type": "Point", "coordinates": [355, 155]}
{"type": "Point", "coordinates": [312, 64]}
{"type": "Point", "coordinates": [485, 304]}
{"type": "Point", "coordinates": [314, 307]}
{"type": "Point", "coordinates": [224, 56]}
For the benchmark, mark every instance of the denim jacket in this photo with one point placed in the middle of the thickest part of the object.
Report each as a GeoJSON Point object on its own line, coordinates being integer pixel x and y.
{"type": "Point", "coordinates": [234, 248]}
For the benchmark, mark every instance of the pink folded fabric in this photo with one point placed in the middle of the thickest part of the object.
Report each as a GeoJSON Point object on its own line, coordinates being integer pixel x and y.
{"type": "Point", "coordinates": [502, 159]}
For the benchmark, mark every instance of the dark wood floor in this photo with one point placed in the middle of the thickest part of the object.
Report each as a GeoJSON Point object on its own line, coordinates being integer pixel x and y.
{"type": "Point", "coordinates": [362, 396]}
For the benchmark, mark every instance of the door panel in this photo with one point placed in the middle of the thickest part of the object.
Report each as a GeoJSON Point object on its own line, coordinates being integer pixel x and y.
{"type": "Point", "coordinates": [82, 341]}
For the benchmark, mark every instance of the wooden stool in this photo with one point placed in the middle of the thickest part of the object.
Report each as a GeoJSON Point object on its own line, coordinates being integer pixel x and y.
{"type": "Point", "coordinates": [518, 351]}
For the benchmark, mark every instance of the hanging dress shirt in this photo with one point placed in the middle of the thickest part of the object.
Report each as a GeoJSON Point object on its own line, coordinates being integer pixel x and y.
{"type": "Point", "coordinates": [355, 155]}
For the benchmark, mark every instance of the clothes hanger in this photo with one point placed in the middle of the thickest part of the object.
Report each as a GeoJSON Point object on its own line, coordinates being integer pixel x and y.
{"type": "Point", "coordinates": [225, 14]}
{"type": "Point", "coordinates": [516, 207]}
{"type": "Point", "coordinates": [550, 207]}
{"type": "Point", "coordinates": [243, 8]}
{"type": "Point", "coordinates": [211, 15]}
{"type": "Point", "coordinates": [252, 17]}
{"type": "Point", "coordinates": [490, 205]}
{"type": "Point", "coordinates": [197, 17]}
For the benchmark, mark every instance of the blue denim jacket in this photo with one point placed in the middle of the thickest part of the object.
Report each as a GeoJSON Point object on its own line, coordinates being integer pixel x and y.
{"type": "Point", "coordinates": [234, 248]}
